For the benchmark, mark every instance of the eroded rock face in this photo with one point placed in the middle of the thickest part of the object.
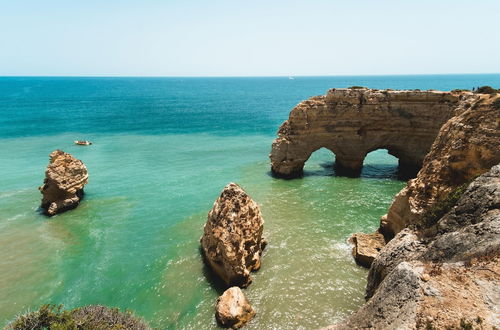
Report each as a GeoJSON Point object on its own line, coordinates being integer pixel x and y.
{"type": "Point", "coordinates": [420, 281]}
{"type": "Point", "coordinates": [233, 309]}
{"type": "Point", "coordinates": [354, 122]}
{"type": "Point", "coordinates": [62, 188]}
{"type": "Point", "coordinates": [366, 247]}
{"type": "Point", "coordinates": [467, 145]}
{"type": "Point", "coordinates": [232, 242]}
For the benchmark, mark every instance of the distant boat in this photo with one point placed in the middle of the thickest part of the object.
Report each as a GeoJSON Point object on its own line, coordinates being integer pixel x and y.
{"type": "Point", "coordinates": [291, 78]}
{"type": "Point", "coordinates": [83, 143]}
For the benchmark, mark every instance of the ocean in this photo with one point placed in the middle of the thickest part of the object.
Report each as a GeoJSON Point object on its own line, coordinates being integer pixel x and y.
{"type": "Point", "coordinates": [163, 150]}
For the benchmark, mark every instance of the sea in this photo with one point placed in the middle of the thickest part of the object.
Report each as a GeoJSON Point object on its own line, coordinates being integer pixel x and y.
{"type": "Point", "coordinates": [163, 149]}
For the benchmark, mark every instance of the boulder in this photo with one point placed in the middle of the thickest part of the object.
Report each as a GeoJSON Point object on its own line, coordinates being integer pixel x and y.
{"type": "Point", "coordinates": [232, 242]}
{"type": "Point", "coordinates": [233, 309]}
{"type": "Point", "coordinates": [366, 247]}
{"type": "Point", "coordinates": [62, 188]}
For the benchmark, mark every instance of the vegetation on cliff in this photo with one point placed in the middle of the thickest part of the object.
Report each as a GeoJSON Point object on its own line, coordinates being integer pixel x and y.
{"type": "Point", "coordinates": [53, 317]}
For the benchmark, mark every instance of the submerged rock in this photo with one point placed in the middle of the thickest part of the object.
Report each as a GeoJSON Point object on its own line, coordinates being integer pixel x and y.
{"type": "Point", "coordinates": [366, 247]}
{"type": "Point", "coordinates": [232, 242]}
{"type": "Point", "coordinates": [233, 309]}
{"type": "Point", "coordinates": [62, 188]}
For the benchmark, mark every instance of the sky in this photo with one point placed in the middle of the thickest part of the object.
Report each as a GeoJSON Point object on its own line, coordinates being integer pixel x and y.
{"type": "Point", "coordinates": [248, 38]}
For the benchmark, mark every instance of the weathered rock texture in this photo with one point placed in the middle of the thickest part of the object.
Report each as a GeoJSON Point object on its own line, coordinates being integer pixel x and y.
{"type": "Point", "coordinates": [438, 281]}
{"type": "Point", "coordinates": [354, 122]}
{"type": "Point", "coordinates": [62, 188]}
{"type": "Point", "coordinates": [232, 309]}
{"type": "Point", "coordinates": [467, 145]}
{"type": "Point", "coordinates": [232, 242]}
{"type": "Point", "coordinates": [366, 247]}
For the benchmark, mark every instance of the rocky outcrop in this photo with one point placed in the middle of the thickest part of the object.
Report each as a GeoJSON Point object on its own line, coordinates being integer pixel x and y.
{"type": "Point", "coordinates": [466, 146]}
{"type": "Point", "coordinates": [232, 309]}
{"type": "Point", "coordinates": [62, 188]}
{"type": "Point", "coordinates": [366, 247]}
{"type": "Point", "coordinates": [232, 242]}
{"type": "Point", "coordinates": [447, 279]}
{"type": "Point", "coordinates": [354, 122]}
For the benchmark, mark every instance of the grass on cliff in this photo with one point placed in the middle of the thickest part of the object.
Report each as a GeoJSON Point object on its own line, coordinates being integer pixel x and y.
{"type": "Point", "coordinates": [53, 317]}
{"type": "Point", "coordinates": [442, 206]}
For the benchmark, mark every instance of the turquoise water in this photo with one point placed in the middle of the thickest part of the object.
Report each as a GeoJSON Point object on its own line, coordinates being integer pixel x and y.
{"type": "Point", "coordinates": [163, 150]}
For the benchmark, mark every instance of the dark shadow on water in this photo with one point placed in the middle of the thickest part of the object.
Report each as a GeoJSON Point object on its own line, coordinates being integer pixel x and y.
{"type": "Point", "coordinates": [212, 278]}
{"type": "Point", "coordinates": [376, 171]}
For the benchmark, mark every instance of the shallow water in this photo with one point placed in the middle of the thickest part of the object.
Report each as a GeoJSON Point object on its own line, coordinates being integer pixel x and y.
{"type": "Point", "coordinates": [163, 150]}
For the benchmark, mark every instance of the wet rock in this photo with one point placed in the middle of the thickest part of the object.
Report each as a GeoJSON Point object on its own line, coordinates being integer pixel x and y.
{"type": "Point", "coordinates": [232, 242]}
{"type": "Point", "coordinates": [233, 309]}
{"type": "Point", "coordinates": [62, 188]}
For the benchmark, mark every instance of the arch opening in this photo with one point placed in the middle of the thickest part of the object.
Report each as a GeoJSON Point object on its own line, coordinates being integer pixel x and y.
{"type": "Point", "coordinates": [380, 163]}
{"type": "Point", "coordinates": [321, 162]}
{"type": "Point", "coordinates": [388, 163]}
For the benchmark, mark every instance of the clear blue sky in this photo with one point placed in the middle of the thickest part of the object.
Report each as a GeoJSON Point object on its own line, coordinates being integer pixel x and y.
{"type": "Point", "coordinates": [248, 38]}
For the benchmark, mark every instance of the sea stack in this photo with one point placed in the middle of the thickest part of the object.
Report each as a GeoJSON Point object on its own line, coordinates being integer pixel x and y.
{"type": "Point", "coordinates": [232, 242]}
{"type": "Point", "coordinates": [232, 309]}
{"type": "Point", "coordinates": [62, 188]}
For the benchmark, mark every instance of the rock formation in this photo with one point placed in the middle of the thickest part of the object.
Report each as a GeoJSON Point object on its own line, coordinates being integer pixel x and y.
{"type": "Point", "coordinates": [62, 188]}
{"type": "Point", "coordinates": [366, 247]}
{"type": "Point", "coordinates": [233, 309]}
{"type": "Point", "coordinates": [354, 122]}
{"type": "Point", "coordinates": [232, 242]}
{"type": "Point", "coordinates": [448, 278]}
{"type": "Point", "coordinates": [467, 145]}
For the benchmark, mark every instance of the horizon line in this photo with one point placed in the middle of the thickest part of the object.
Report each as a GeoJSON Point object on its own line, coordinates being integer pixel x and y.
{"type": "Point", "coordinates": [242, 76]}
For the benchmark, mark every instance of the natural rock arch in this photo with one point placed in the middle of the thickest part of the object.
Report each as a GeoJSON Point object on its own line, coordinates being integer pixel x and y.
{"type": "Point", "coordinates": [353, 122]}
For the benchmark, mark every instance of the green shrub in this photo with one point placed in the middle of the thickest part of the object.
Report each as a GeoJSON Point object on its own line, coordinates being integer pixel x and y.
{"type": "Point", "coordinates": [443, 206]}
{"type": "Point", "coordinates": [486, 90]}
{"type": "Point", "coordinates": [52, 317]}
{"type": "Point", "coordinates": [357, 87]}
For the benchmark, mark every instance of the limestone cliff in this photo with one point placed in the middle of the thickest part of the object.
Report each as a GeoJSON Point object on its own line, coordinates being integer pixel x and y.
{"type": "Point", "coordinates": [466, 146]}
{"type": "Point", "coordinates": [354, 122]}
{"type": "Point", "coordinates": [62, 188]}
{"type": "Point", "coordinates": [450, 279]}
{"type": "Point", "coordinates": [232, 242]}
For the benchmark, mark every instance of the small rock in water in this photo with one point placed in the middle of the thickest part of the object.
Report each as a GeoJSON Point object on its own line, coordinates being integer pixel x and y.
{"type": "Point", "coordinates": [366, 247]}
{"type": "Point", "coordinates": [233, 309]}
{"type": "Point", "coordinates": [62, 188]}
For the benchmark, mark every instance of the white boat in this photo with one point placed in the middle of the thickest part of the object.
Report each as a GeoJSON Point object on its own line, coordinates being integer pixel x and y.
{"type": "Point", "coordinates": [83, 143]}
